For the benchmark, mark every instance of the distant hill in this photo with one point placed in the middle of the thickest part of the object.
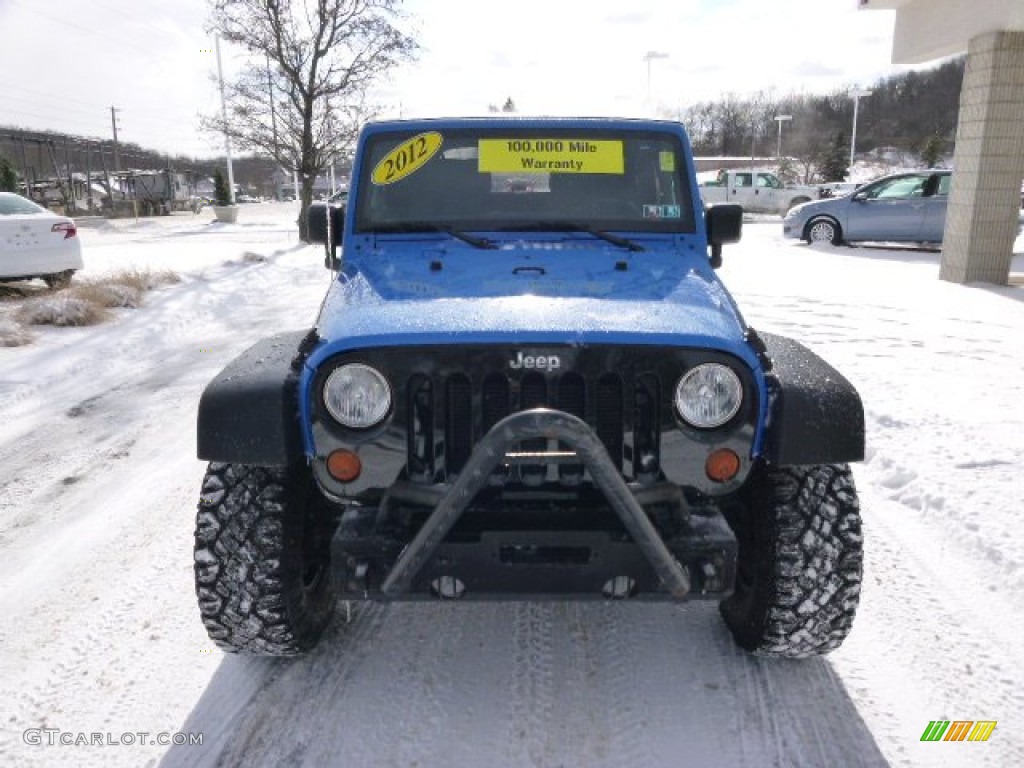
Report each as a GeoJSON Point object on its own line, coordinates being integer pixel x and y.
{"type": "Point", "coordinates": [902, 115]}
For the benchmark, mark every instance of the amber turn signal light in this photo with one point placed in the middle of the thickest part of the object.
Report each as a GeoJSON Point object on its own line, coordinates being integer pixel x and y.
{"type": "Point", "coordinates": [722, 465]}
{"type": "Point", "coordinates": [344, 466]}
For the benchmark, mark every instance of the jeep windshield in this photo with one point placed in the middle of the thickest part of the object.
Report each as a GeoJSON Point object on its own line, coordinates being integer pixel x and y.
{"type": "Point", "coordinates": [519, 180]}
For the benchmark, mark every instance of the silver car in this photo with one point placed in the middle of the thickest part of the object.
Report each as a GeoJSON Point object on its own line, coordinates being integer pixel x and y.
{"type": "Point", "coordinates": [902, 208]}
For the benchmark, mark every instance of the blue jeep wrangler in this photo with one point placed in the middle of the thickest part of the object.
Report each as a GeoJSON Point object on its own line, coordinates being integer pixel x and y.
{"type": "Point", "coordinates": [527, 382]}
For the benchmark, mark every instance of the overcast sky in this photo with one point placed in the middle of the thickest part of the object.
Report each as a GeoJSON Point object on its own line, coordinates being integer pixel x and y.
{"type": "Point", "coordinates": [64, 63]}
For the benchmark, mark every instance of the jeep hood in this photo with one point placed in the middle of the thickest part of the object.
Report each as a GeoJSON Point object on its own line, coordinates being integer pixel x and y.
{"type": "Point", "coordinates": [605, 297]}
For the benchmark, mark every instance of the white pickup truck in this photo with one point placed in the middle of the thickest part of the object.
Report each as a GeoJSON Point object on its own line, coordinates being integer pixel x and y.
{"type": "Point", "coordinates": [757, 191]}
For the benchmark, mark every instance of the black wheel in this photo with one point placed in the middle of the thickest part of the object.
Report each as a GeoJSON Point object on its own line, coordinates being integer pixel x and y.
{"type": "Point", "coordinates": [823, 231]}
{"type": "Point", "coordinates": [58, 280]}
{"type": "Point", "coordinates": [800, 560]}
{"type": "Point", "coordinates": [262, 559]}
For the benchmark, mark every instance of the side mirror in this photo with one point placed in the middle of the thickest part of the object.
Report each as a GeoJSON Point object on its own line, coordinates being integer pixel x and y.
{"type": "Point", "coordinates": [724, 224]}
{"type": "Point", "coordinates": [325, 224]}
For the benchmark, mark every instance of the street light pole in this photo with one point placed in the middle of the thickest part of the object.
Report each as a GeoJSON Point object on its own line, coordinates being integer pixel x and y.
{"type": "Point", "coordinates": [649, 57]}
{"type": "Point", "coordinates": [224, 116]}
{"type": "Point", "coordinates": [780, 119]}
{"type": "Point", "coordinates": [857, 94]}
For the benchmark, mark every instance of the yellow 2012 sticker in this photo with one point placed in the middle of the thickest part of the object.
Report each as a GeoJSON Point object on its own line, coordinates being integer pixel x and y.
{"type": "Point", "coordinates": [551, 156]}
{"type": "Point", "coordinates": [407, 158]}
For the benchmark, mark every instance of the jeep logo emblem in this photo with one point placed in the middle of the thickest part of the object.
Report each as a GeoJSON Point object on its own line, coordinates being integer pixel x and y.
{"type": "Point", "coordinates": [540, 362]}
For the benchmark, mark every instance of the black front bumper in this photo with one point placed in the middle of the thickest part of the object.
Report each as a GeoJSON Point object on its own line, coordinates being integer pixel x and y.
{"type": "Point", "coordinates": [461, 539]}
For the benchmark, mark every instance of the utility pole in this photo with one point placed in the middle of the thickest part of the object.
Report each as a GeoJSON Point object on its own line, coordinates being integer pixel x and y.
{"type": "Point", "coordinates": [649, 57]}
{"type": "Point", "coordinates": [71, 178]}
{"type": "Point", "coordinates": [113, 124]}
{"type": "Point", "coordinates": [24, 168]}
{"type": "Point", "coordinates": [857, 94]}
{"type": "Point", "coordinates": [780, 119]}
{"type": "Point", "coordinates": [224, 115]}
{"type": "Point", "coordinates": [88, 176]}
{"type": "Point", "coordinates": [273, 122]}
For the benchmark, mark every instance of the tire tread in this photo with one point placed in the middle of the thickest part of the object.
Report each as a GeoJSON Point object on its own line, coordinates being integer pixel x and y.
{"type": "Point", "coordinates": [249, 589]}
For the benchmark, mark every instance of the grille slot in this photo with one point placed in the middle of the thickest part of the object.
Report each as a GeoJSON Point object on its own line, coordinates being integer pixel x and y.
{"type": "Point", "coordinates": [572, 394]}
{"type": "Point", "coordinates": [610, 416]}
{"type": "Point", "coordinates": [458, 422]}
{"type": "Point", "coordinates": [496, 401]}
{"type": "Point", "coordinates": [420, 438]}
{"type": "Point", "coordinates": [533, 393]}
{"type": "Point", "coordinates": [646, 430]}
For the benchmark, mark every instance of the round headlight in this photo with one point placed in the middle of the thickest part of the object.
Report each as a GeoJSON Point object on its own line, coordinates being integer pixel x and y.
{"type": "Point", "coordinates": [357, 395]}
{"type": "Point", "coordinates": [708, 395]}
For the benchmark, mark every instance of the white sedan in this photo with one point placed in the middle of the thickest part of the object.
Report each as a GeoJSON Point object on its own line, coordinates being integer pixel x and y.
{"type": "Point", "coordinates": [35, 242]}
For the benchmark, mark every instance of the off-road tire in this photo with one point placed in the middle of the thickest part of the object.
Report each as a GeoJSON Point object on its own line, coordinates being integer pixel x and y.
{"type": "Point", "coordinates": [800, 560]}
{"type": "Point", "coordinates": [262, 560]}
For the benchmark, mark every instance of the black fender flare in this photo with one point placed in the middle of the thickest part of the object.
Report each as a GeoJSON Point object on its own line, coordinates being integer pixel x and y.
{"type": "Point", "coordinates": [249, 413]}
{"type": "Point", "coordinates": [815, 416]}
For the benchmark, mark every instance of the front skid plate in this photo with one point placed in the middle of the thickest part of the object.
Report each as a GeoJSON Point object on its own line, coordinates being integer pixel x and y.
{"type": "Point", "coordinates": [532, 564]}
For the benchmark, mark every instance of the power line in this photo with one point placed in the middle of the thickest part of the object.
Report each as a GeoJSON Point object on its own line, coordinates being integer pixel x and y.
{"type": "Point", "coordinates": [64, 22]}
{"type": "Point", "coordinates": [63, 110]}
{"type": "Point", "coordinates": [122, 13]}
{"type": "Point", "coordinates": [61, 98]}
{"type": "Point", "coordinates": [50, 119]}
{"type": "Point", "coordinates": [133, 120]}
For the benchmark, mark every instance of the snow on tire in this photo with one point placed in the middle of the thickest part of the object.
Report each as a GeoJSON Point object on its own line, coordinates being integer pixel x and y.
{"type": "Point", "coordinates": [800, 561]}
{"type": "Point", "coordinates": [262, 558]}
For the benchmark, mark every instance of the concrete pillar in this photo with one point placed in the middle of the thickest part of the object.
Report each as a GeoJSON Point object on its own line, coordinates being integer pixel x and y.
{"type": "Point", "coordinates": [981, 221]}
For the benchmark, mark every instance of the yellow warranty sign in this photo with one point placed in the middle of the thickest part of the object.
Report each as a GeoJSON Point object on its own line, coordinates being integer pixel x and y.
{"type": "Point", "coordinates": [408, 157]}
{"type": "Point", "coordinates": [551, 156]}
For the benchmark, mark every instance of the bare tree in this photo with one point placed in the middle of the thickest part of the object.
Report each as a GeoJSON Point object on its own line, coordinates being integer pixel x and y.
{"type": "Point", "coordinates": [302, 97]}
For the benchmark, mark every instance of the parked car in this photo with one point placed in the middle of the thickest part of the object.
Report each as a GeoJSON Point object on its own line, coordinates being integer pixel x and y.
{"type": "Point", "coordinates": [35, 242]}
{"type": "Point", "coordinates": [903, 208]}
{"type": "Point", "coordinates": [757, 191]}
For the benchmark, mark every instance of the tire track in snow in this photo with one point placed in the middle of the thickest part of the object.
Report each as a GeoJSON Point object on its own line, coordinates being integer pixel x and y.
{"type": "Point", "coordinates": [953, 653]}
{"type": "Point", "coordinates": [582, 672]}
{"type": "Point", "coordinates": [532, 684]}
{"type": "Point", "coordinates": [416, 682]}
{"type": "Point", "coordinates": [61, 665]}
{"type": "Point", "coordinates": [619, 625]}
{"type": "Point", "coordinates": [280, 720]}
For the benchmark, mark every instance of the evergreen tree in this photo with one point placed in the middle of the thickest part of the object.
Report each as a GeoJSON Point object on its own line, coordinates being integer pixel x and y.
{"type": "Point", "coordinates": [220, 189]}
{"type": "Point", "coordinates": [786, 171]}
{"type": "Point", "coordinates": [8, 176]}
{"type": "Point", "coordinates": [932, 150]}
{"type": "Point", "coordinates": [835, 160]}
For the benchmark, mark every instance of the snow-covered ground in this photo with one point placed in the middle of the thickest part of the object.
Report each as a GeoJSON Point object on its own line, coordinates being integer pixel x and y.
{"type": "Point", "coordinates": [98, 485]}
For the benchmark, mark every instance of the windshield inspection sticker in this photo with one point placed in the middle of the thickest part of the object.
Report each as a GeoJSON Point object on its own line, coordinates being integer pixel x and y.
{"type": "Point", "coordinates": [407, 158]}
{"type": "Point", "coordinates": [659, 212]}
{"type": "Point", "coordinates": [551, 156]}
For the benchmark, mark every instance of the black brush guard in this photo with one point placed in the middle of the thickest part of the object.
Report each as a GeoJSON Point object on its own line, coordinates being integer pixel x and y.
{"type": "Point", "coordinates": [512, 552]}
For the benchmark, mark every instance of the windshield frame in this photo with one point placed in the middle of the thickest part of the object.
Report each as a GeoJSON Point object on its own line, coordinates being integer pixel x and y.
{"type": "Point", "coordinates": [469, 135]}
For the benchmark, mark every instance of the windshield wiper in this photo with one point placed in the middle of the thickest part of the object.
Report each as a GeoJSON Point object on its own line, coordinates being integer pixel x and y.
{"type": "Point", "coordinates": [419, 226]}
{"type": "Point", "coordinates": [575, 226]}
